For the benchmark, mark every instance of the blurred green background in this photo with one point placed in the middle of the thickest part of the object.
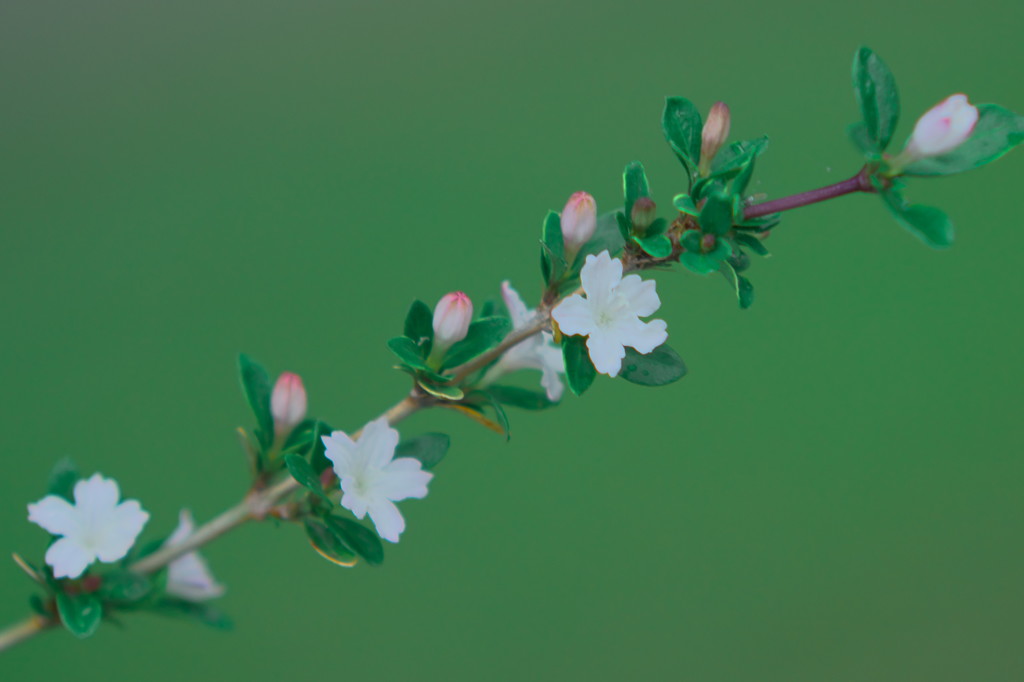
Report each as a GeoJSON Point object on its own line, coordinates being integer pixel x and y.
{"type": "Point", "coordinates": [833, 493]}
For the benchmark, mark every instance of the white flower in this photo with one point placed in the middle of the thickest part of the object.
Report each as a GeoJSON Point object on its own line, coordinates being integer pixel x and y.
{"type": "Point", "coordinates": [610, 314]}
{"type": "Point", "coordinates": [536, 352]}
{"type": "Point", "coordinates": [94, 527]}
{"type": "Point", "coordinates": [942, 128]}
{"type": "Point", "coordinates": [372, 480]}
{"type": "Point", "coordinates": [188, 576]}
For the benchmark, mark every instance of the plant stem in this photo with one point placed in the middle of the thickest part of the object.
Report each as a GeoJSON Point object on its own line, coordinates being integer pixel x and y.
{"type": "Point", "coordinates": [19, 632]}
{"type": "Point", "coordinates": [858, 183]}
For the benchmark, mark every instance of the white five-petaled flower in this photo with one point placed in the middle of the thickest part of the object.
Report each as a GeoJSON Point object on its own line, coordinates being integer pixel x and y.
{"type": "Point", "coordinates": [372, 480]}
{"type": "Point", "coordinates": [610, 314]}
{"type": "Point", "coordinates": [95, 527]}
{"type": "Point", "coordinates": [536, 352]}
{"type": "Point", "coordinates": [188, 576]}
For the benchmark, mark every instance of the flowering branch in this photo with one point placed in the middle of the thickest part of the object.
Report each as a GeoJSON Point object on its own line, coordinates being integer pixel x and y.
{"type": "Point", "coordinates": [590, 320]}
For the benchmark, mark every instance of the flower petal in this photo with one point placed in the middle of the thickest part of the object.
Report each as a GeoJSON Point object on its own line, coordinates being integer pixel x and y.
{"type": "Point", "coordinates": [552, 364]}
{"type": "Point", "coordinates": [643, 336]}
{"type": "Point", "coordinates": [96, 496]}
{"type": "Point", "coordinates": [403, 478]}
{"type": "Point", "coordinates": [377, 443]}
{"type": "Point", "coordinates": [574, 315]}
{"type": "Point", "coordinates": [341, 450]}
{"type": "Point", "coordinates": [606, 353]}
{"type": "Point", "coordinates": [387, 519]}
{"type": "Point", "coordinates": [68, 558]}
{"type": "Point", "coordinates": [641, 295]}
{"type": "Point", "coordinates": [55, 515]}
{"type": "Point", "coordinates": [599, 276]}
{"type": "Point", "coordinates": [352, 498]}
{"type": "Point", "coordinates": [190, 578]}
{"type": "Point", "coordinates": [116, 536]}
{"type": "Point", "coordinates": [517, 310]}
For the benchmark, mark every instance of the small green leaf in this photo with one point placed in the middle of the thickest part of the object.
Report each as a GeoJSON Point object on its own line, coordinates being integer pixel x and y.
{"type": "Point", "coordinates": [62, 481]}
{"type": "Point", "coordinates": [125, 586]}
{"type": "Point", "coordinates": [606, 238]}
{"type": "Point", "coordinates": [406, 350]}
{"type": "Point", "coordinates": [929, 224]}
{"type": "Point", "coordinates": [634, 185]}
{"type": "Point", "coordinates": [201, 612]}
{"type": "Point", "coordinates": [429, 449]}
{"type": "Point", "coordinates": [327, 543]}
{"type": "Point", "coordinates": [716, 215]}
{"type": "Point", "coordinates": [861, 139]}
{"type": "Point", "coordinates": [256, 386]}
{"type": "Point", "coordinates": [684, 203]}
{"type": "Point", "coordinates": [39, 606]}
{"type": "Point", "coordinates": [753, 243]}
{"type": "Point", "coordinates": [681, 123]}
{"type": "Point", "coordinates": [656, 245]}
{"type": "Point", "coordinates": [704, 263]}
{"type": "Point", "coordinates": [997, 131]}
{"type": "Point", "coordinates": [657, 368]}
{"type": "Point", "coordinates": [419, 325]}
{"type": "Point", "coordinates": [522, 398]}
{"type": "Point", "coordinates": [501, 417]}
{"type": "Point", "coordinates": [440, 390]}
{"type": "Point", "coordinates": [483, 335]}
{"type": "Point", "coordinates": [358, 538]}
{"type": "Point", "coordinates": [80, 613]}
{"type": "Point", "coordinates": [579, 370]}
{"type": "Point", "coordinates": [879, 101]}
{"type": "Point", "coordinates": [738, 156]}
{"type": "Point", "coordinates": [553, 248]}
{"type": "Point", "coordinates": [740, 284]}
{"type": "Point", "coordinates": [625, 227]}
{"type": "Point", "coordinates": [303, 473]}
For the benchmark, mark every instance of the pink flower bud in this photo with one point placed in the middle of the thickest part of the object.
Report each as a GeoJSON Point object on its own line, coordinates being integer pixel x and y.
{"type": "Point", "coordinates": [643, 214]}
{"type": "Point", "coordinates": [714, 134]}
{"type": "Point", "coordinates": [451, 320]}
{"type": "Point", "coordinates": [708, 243]}
{"type": "Point", "coordinates": [943, 128]}
{"type": "Point", "coordinates": [288, 403]}
{"type": "Point", "coordinates": [579, 220]}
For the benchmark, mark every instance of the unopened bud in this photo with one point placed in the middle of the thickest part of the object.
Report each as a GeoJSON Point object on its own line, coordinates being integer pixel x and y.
{"type": "Point", "coordinates": [714, 134]}
{"type": "Point", "coordinates": [288, 403]}
{"type": "Point", "coordinates": [643, 214]}
{"type": "Point", "coordinates": [942, 128]}
{"type": "Point", "coordinates": [707, 243]}
{"type": "Point", "coordinates": [579, 220]}
{"type": "Point", "coordinates": [451, 321]}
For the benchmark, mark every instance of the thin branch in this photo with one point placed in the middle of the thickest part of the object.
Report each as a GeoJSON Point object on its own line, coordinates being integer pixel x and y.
{"type": "Point", "coordinates": [858, 183]}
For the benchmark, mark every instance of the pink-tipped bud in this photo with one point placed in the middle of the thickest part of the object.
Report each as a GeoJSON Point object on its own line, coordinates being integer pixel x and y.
{"type": "Point", "coordinates": [643, 214]}
{"type": "Point", "coordinates": [452, 316]}
{"type": "Point", "coordinates": [579, 220]}
{"type": "Point", "coordinates": [942, 128]}
{"type": "Point", "coordinates": [288, 403]}
{"type": "Point", "coordinates": [714, 134]}
{"type": "Point", "coordinates": [708, 243]}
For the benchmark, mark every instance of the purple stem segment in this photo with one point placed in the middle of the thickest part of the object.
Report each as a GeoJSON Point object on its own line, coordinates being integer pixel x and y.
{"type": "Point", "coordinates": [858, 183]}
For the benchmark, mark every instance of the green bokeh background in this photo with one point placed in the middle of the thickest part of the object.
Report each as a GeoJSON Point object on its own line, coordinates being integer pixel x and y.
{"type": "Point", "coordinates": [833, 493]}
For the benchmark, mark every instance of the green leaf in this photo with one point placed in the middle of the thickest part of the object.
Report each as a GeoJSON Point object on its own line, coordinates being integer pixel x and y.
{"type": "Point", "coordinates": [579, 370]}
{"type": "Point", "coordinates": [716, 215]}
{"type": "Point", "coordinates": [634, 185]}
{"type": "Point", "coordinates": [125, 586]}
{"type": "Point", "coordinates": [738, 156]}
{"type": "Point", "coordinates": [740, 284]}
{"type": "Point", "coordinates": [684, 202]}
{"type": "Point", "coordinates": [302, 471]}
{"type": "Point", "coordinates": [625, 227]}
{"type": "Point", "coordinates": [406, 350]}
{"type": "Point", "coordinates": [927, 223]}
{"type": "Point", "coordinates": [606, 238]}
{"type": "Point", "coordinates": [657, 368]}
{"type": "Point", "coordinates": [429, 449]}
{"type": "Point", "coordinates": [997, 131]}
{"type": "Point", "coordinates": [861, 139]}
{"type": "Point", "coordinates": [39, 606]}
{"type": "Point", "coordinates": [81, 613]}
{"type": "Point", "coordinates": [877, 96]}
{"type": "Point", "coordinates": [358, 538]}
{"type": "Point", "coordinates": [440, 390]}
{"type": "Point", "coordinates": [493, 308]}
{"type": "Point", "coordinates": [483, 335]}
{"type": "Point", "coordinates": [704, 263]}
{"type": "Point", "coordinates": [682, 126]}
{"type": "Point", "coordinates": [62, 481]}
{"type": "Point", "coordinates": [201, 612]}
{"type": "Point", "coordinates": [419, 325]}
{"type": "Point", "coordinates": [553, 248]}
{"type": "Point", "coordinates": [327, 543]}
{"type": "Point", "coordinates": [522, 398]}
{"type": "Point", "coordinates": [752, 243]}
{"type": "Point", "coordinates": [256, 386]}
{"type": "Point", "coordinates": [501, 417]}
{"type": "Point", "coordinates": [656, 245]}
